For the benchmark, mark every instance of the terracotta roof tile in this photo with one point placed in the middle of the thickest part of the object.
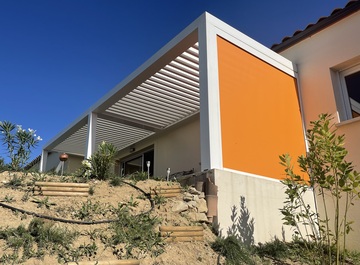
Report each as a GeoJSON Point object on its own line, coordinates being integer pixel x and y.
{"type": "Point", "coordinates": [337, 14]}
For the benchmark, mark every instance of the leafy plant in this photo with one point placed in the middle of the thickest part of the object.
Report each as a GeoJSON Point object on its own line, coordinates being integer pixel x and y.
{"type": "Point", "coordinates": [38, 176]}
{"type": "Point", "coordinates": [99, 164]}
{"type": "Point", "coordinates": [39, 238]}
{"type": "Point", "coordinates": [8, 198]}
{"type": "Point", "coordinates": [91, 190]}
{"type": "Point", "coordinates": [18, 143]}
{"type": "Point", "coordinates": [44, 202]}
{"type": "Point", "coordinates": [88, 209]}
{"type": "Point", "coordinates": [132, 202]}
{"type": "Point", "coordinates": [331, 176]}
{"type": "Point", "coordinates": [15, 181]}
{"type": "Point", "coordinates": [158, 199]}
{"type": "Point", "coordinates": [138, 176]}
{"type": "Point", "coordinates": [136, 234]}
{"type": "Point", "coordinates": [115, 180]}
{"type": "Point", "coordinates": [235, 252]}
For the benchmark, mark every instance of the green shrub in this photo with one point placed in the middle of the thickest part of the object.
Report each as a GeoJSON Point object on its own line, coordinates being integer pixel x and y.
{"type": "Point", "coordinates": [35, 241]}
{"type": "Point", "coordinates": [333, 179]}
{"type": "Point", "coordinates": [115, 180]}
{"type": "Point", "coordinates": [18, 143]}
{"type": "Point", "coordinates": [235, 252]}
{"type": "Point", "coordinates": [99, 164]}
{"type": "Point", "coordinates": [136, 233]}
{"type": "Point", "coordinates": [15, 181]}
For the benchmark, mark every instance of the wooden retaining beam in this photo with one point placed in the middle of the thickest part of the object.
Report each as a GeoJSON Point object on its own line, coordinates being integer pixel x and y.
{"type": "Point", "coordinates": [108, 262]}
{"type": "Point", "coordinates": [61, 189]}
{"type": "Point", "coordinates": [166, 191]}
{"type": "Point", "coordinates": [182, 233]}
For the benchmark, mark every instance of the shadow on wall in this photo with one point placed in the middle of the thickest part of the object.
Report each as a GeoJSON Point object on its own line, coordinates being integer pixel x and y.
{"type": "Point", "coordinates": [242, 224]}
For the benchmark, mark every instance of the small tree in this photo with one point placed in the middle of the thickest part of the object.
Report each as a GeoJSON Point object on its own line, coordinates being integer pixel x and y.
{"type": "Point", "coordinates": [18, 143]}
{"type": "Point", "coordinates": [330, 175]}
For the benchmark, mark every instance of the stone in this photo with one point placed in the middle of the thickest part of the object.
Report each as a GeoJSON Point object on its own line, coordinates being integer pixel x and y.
{"type": "Point", "coordinates": [180, 207]}
{"type": "Point", "coordinates": [201, 217]}
{"type": "Point", "coordinates": [192, 190]}
{"type": "Point", "coordinates": [198, 217]}
{"type": "Point", "coordinates": [202, 206]}
{"type": "Point", "coordinates": [188, 198]}
{"type": "Point", "coordinates": [192, 204]}
{"type": "Point", "coordinates": [202, 195]}
{"type": "Point", "coordinates": [188, 194]}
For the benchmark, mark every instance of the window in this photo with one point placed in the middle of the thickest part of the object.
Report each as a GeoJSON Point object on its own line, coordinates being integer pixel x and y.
{"type": "Point", "coordinates": [138, 163]}
{"type": "Point", "coordinates": [350, 88]}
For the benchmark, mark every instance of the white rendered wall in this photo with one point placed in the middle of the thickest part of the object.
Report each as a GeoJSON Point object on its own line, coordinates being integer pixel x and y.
{"type": "Point", "coordinates": [263, 199]}
{"type": "Point", "coordinates": [177, 148]}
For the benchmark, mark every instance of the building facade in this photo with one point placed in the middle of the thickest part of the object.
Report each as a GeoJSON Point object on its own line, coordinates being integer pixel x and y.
{"type": "Point", "coordinates": [214, 100]}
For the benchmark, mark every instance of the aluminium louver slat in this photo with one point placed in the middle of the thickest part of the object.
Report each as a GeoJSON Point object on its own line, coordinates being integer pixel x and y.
{"type": "Point", "coordinates": [169, 93]}
{"type": "Point", "coordinates": [161, 101]}
{"type": "Point", "coordinates": [187, 63]}
{"type": "Point", "coordinates": [147, 101]}
{"type": "Point", "coordinates": [148, 108]}
{"type": "Point", "coordinates": [136, 116]}
{"type": "Point", "coordinates": [133, 110]}
{"type": "Point", "coordinates": [166, 109]}
{"type": "Point", "coordinates": [185, 69]}
{"type": "Point", "coordinates": [185, 101]}
{"type": "Point", "coordinates": [155, 123]}
{"type": "Point", "coordinates": [179, 78]}
{"type": "Point", "coordinates": [176, 71]}
{"type": "Point", "coordinates": [166, 80]}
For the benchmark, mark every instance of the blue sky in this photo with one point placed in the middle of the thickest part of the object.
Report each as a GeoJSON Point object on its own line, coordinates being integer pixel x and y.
{"type": "Point", "coordinates": [57, 58]}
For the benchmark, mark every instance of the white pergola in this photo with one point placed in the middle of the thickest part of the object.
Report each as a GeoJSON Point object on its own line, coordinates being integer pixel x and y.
{"type": "Point", "coordinates": [178, 82]}
{"type": "Point", "coordinates": [161, 93]}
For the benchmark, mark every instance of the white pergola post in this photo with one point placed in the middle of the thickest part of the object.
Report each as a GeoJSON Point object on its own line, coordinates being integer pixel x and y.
{"type": "Point", "coordinates": [43, 160]}
{"type": "Point", "coordinates": [91, 135]}
{"type": "Point", "coordinates": [210, 129]}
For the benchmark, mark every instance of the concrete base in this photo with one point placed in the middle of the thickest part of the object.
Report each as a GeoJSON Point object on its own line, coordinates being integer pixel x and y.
{"type": "Point", "coordinates": [249, 204]}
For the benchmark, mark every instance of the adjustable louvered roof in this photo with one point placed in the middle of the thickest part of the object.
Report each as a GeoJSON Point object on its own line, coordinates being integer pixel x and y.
{"type": "Point", "coordinates": [161, 93]}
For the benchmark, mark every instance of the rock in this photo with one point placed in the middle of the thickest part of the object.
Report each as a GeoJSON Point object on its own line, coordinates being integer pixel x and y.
{"type": "Point", "coordinates": [180, 207]}
{"type": "Point", "coordinates": [188, 198]}
{"type": "Point", "coordinates": [198, 217]}
{"type": "Point", "coordinates": [192, 190]}
{"type": "Point", "coordinates": [202, 195]}
{"type": "Point", "coordinates": [192, 204]}
{"type": "Point", "coordinates": [187, 194]}
{"type": "Point", "coordinates": [202, 206]}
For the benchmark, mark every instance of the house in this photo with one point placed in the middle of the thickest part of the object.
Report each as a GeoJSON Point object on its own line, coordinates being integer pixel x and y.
{"type": "Point", "coordinates": [217, 102]}
{"type": "Point", "coordinates": [327, 58]}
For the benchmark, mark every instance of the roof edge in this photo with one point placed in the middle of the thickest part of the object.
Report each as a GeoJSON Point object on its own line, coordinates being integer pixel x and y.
{"type": "Point", "coordinates": [337, 15]}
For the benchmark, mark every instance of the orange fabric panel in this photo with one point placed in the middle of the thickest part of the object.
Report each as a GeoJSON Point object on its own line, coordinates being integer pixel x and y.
{"type": "Point", "coordinates": [260, 114]}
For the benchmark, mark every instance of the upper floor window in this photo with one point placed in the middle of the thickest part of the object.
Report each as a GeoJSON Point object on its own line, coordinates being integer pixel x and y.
{"type": "Point", "coordinates": [350, 88]}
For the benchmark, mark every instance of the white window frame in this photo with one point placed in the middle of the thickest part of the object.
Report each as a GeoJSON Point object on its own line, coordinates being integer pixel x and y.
{"type": "Point", "coordinates": [346, 101]}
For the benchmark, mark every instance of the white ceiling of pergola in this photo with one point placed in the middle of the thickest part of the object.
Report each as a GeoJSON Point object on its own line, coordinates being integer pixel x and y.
{"type": "Point", "coordinates": [162, 100]}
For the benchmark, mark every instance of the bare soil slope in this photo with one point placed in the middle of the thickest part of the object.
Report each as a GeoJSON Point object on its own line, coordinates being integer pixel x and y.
{"type": "Point", "coordinates": [22, 197]}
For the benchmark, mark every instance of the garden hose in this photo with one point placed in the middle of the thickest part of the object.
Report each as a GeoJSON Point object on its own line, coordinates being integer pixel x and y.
{"type": "Point", "coordinates": [147, 195]}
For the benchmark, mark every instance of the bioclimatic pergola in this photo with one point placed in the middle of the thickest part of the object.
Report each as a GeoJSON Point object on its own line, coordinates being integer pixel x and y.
{"type": "Point", "coordinates": [161, 93]}
{"type": "Point", "coordinates": [181, 80]}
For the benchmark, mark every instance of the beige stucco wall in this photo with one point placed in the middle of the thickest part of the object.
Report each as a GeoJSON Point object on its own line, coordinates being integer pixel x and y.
{"type": "Point", "coordinates": [177, 148]}
{"type": "Point", "coordinates": [70, 166]}
{"type": "Point", "coordinates": [318, 58]}
{"type": "Point", "coordinates": [263, 198]}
